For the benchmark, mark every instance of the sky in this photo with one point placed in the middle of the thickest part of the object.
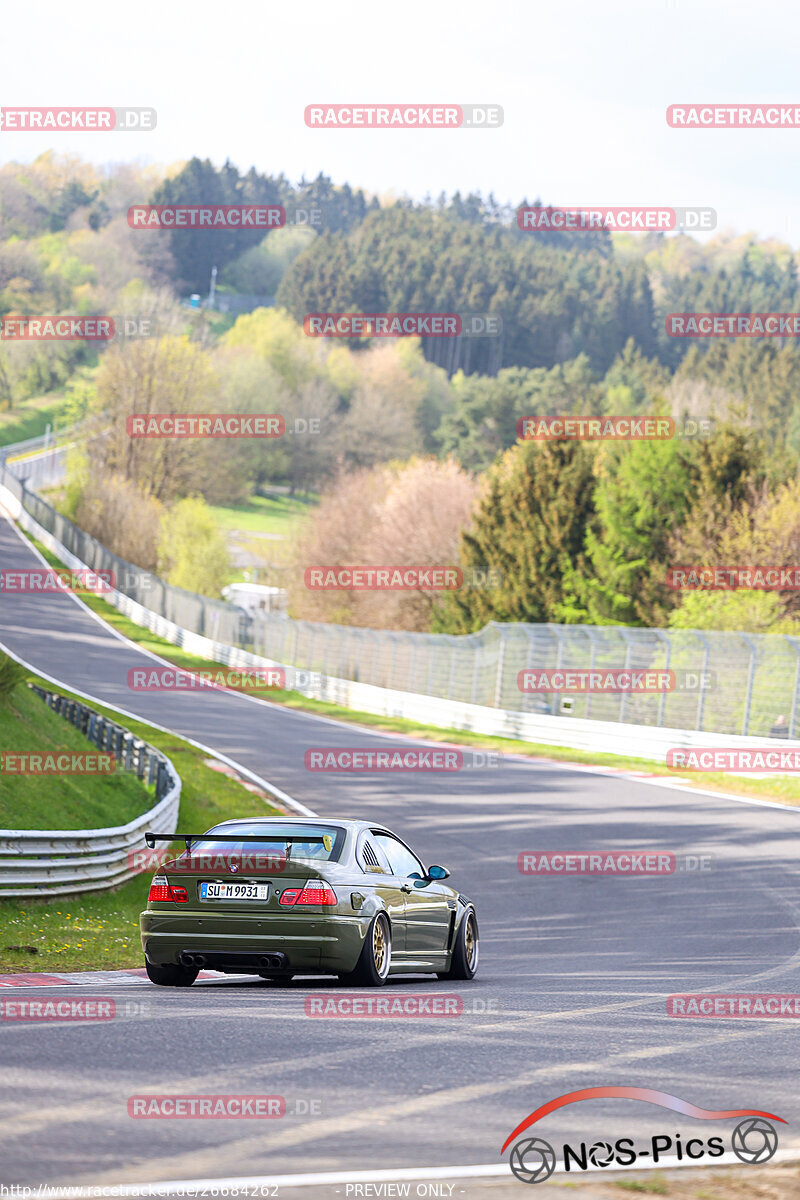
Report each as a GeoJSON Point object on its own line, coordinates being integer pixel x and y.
{"type": "Point", "coordinates": [584, 87]}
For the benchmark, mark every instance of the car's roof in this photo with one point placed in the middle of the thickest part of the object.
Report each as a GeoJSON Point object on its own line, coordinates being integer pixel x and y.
{"type": "Point", "coordinates": [346, 822]}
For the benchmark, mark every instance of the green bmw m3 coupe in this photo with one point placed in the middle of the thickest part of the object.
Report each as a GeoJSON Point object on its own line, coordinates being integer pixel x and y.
{"type": "Point", "coordinates": [279, 897]}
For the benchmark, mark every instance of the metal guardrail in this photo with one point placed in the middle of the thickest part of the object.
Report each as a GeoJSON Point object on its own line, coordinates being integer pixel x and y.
{"type": "Point", "coordinates": [55, 862]}
{"type": "Point", "coordinates": [42, 442]}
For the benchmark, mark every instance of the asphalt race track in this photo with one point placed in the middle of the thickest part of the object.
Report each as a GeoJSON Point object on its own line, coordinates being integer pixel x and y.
{"type": "Point", "coordinates": [572, 983]}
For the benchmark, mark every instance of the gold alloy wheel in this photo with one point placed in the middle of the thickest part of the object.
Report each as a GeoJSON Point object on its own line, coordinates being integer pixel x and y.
{"type": "Point", "coordinates": [380, 945]}
{"type": "Point", "coordinates": [471, 941]}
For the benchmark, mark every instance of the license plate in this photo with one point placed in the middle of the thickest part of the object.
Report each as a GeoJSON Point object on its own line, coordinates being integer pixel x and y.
{"type": "Point", "coordinates": [234, 891]}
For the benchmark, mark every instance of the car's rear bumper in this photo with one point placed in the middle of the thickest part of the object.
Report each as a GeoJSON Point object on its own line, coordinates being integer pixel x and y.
{"type": "Point", "coordinates": [314, 943]}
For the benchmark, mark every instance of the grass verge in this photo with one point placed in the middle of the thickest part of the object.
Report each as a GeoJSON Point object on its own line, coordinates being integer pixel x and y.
{"type": "Point", "coordinates": [782, 788]}
{"type": "Point", "coordinates": [28, 726]}
{"type": "Point", "coordinates": [30, 419]}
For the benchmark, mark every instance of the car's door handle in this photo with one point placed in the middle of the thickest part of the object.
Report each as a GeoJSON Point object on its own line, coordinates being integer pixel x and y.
{"type": "Point", "coordinates": [405, 887]}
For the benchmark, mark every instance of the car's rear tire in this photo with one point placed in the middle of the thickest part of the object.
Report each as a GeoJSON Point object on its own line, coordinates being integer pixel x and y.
{"type": "Point", "coordinates": [170, 974]}
{"type": "Point", "coordinates": [464, 961]}
{"type": "Point", "coordinates": [375, 959]}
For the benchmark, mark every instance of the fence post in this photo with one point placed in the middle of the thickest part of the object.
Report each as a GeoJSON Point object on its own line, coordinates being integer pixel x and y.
{"type": "Point", "coordinates": [501, 659]}
{"type": "Point", "coordinates": [475, 665]}
{"type": "Point", "coordinates": [662, 700]}
{"type": "Point", "coordinates": [701, 697]}
{"type": "Point", "coordinates": [393, 636]}
{"type": "Point", "coordinates": [559, 658]}
{"type": "Point", "coordinates": [751, 670]}
{"type": "Point", "coordinates": [796, 692]}
{"type": "Point", "coordinates": [592, 661]}
{"type": "Point", "coordinates": [412, 663]}
{"type": "Point", "coordinates": [624, 695]}
{"type": "Point", "coordinates": [453, 654]}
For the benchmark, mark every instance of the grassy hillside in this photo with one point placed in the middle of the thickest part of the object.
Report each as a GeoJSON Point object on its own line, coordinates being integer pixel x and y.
{"type": "Point", "coordinates": [27, 725]}
{"type": "Point", "coordinates": [30, 419]}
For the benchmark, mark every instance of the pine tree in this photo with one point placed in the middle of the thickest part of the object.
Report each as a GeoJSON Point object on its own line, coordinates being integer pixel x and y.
{"type": "Point", "coordinates": [529, 531]}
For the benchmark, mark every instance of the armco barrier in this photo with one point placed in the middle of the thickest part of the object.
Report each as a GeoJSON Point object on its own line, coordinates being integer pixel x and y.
{"type": "Point", "coordinates": [57, 862]}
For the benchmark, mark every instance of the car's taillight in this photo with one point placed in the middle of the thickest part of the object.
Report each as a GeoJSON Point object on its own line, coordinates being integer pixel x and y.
{"type": "Point", "coordinates": [161, 890]}
{"type": "Point", "coordinates": [314, 891]}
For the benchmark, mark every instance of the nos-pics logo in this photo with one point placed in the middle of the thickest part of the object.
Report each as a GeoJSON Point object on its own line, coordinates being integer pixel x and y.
{"type": "Point", "coordinates": [532, 1159]}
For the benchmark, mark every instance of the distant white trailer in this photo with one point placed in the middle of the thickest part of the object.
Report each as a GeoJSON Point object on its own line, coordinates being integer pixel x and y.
{"type": "Point", "coordinates": [257, 597]}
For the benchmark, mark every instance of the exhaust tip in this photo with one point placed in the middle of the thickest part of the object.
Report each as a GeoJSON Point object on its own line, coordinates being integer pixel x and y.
{"type": "Point", "coordinates": [192, 960]}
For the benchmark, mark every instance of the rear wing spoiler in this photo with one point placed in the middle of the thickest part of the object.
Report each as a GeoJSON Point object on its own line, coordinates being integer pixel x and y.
{"type": "Point", "coordinates": [189, 838]}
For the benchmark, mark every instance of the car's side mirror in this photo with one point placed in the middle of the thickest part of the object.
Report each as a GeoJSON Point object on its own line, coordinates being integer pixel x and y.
{"type": "Point", "coordinates": [438, 872]}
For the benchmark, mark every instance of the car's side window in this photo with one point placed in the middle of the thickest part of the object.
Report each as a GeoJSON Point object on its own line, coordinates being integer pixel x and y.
{"type": "Point", "coordinates": [401, 860]}
{"type": "Point", "coordinates": [368, 857]}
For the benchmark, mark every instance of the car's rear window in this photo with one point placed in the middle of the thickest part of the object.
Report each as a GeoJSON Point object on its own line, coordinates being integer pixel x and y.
{"type": "Point", "coordinates": [275, 840]}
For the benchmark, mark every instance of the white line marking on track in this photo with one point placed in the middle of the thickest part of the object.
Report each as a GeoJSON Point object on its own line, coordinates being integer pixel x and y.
{"type": "Point", "coordinates": [390, 1175]}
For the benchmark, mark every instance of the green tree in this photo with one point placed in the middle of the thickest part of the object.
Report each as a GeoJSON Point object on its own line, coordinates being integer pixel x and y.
{"type": "Point", "coordinates": [644, 491]}
{"type": "Point", "coordinates": [193, 553]}
{"type": "Point", "coordinates": [529, 532]}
